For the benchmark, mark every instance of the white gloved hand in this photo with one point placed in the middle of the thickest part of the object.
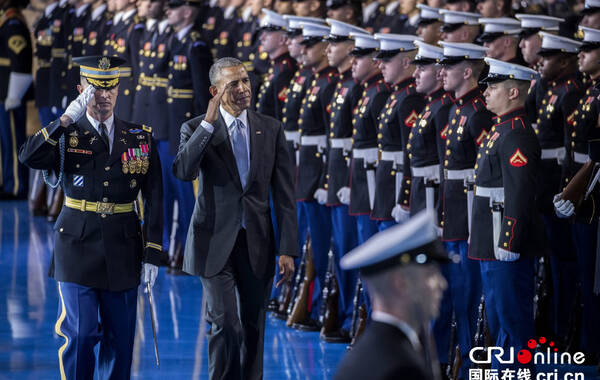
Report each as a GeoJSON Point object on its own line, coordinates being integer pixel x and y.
{"type": "Point", "coordinates": [321, 196]}
{"type": "Point", "coordinates": [77, 108]}
{"type": "Point", "coordinates": [400, 214]}
{"type": "Point", "coordinates": [343, 195]}
{"type": "Point", "coordinates": [11, 103]}
{"type": "Point", "coordinates": [63, 102]}
{"type": "Point", "coordinates": [149, 274]}
{"type": "Point", "coordinates": [564, 208]}
{"type": "Point", "coordinates": [504, 255]}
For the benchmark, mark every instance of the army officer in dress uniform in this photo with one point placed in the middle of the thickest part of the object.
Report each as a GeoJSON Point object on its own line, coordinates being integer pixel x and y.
{"type": "Point", "coordinates": [507, 232]}
{"type": "Point", "coordinates": [102, 164]}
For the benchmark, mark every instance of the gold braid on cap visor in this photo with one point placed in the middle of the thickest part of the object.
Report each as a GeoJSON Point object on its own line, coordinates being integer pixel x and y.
{"type": "Point", "coordinates": [98, 83]}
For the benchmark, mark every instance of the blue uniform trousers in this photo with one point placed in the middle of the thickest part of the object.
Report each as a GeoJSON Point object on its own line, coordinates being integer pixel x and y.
{"type": "Point", "coordinates": [89, 316]}
{"type": "Point", "coordinates": [585, 238]}
{"type": "Point", "coordinates": [319, 227]}
{"type": "Point", "coordinates": [462, 296]}
{"type": "Point", "coordinates": [509, 288]}
{"type": "Point", "coordinates": [563, 266]}
{"type": "Point", "coordinates": [174, 189]}
{"type": "Point", "coordinates": [13, 174]}
{"type": "Point", "coordinates": [302, 231]}
{"type": "Point", "coordinates": [343, 227]}
{"type": "Point", "coordinates": [385, 224]}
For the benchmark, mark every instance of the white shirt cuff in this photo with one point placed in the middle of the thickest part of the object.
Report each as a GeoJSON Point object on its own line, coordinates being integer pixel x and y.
{"type": "Point", "coordinates": [208, 126]}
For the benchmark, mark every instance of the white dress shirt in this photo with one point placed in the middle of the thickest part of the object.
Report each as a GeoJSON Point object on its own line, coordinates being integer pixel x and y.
{"type": "Point", "coordinates": [182, 33]}
{"type": "Point", "coordinates": [81, 9]}
{"type": "Point", "coordinates": [110, 128]}
{"type": "Point", "coordinates": [50, 8]}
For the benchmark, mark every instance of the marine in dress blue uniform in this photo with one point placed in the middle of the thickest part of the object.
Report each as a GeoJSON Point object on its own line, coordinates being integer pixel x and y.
{"type": "Point", "coordinates": [312, 163]}
{"type": "Point", "coordinates": [365, 121]}
{"type": "Point", "coordinates": [15, 80]}
{"type": "Point", "coordinates": [273, 90]}
{"type": "Point", "coordinates": [396, 120]}
{"type": "Point", "coordinates": [102, 166]}
{"type": "Point", "coordinates": [189, 61]}
{"type": "Point", "coordinates": [584, 126]}
{"type": "Point", "coordinates": [468, 124]}
{"type": "Point", "coordinates": [556, 97]}
{"type": "Point", "coordinates": [507, 233]}
{"type": "Point", "coordinates": [343, 226]}
{"type": "Point", "coordinates": [427, 144]}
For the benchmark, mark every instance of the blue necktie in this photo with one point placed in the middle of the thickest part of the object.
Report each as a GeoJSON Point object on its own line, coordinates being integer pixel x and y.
{"type": "Point", "coordinates": [240, 150]}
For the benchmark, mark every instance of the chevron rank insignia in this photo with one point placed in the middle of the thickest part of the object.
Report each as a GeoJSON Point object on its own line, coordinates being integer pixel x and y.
{"type": "Point", "coordinates": [411, 119]}
{"type": "Point", "coordinates": [518, 159]}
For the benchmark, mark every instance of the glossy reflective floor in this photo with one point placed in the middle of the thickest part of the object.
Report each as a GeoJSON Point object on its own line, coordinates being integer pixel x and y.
{"type": "Point", "coordinates": [29, 304]}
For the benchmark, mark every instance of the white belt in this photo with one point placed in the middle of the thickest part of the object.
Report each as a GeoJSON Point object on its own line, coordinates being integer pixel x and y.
{"type": "Point", "coordinates": [293, 136]}
{"type": "Point", "coordinates": [318, 140]}
{"type": "Point", "coordinates": [464, 174]}
{"type": "Point", "coordinates": [554, 154]}
{"type": "Point", "coordinates": [496, 194]}
{"type": "Point", "coordinates": [369, 155]}
{"type": "Point", "coordinates": [345, 144]}
{"type": "Point", "coordinates": [397, 157]}
{"type": "Point", "coordinates": [431, 172]}
{"type": "Point", "coordinates": [580, 158]}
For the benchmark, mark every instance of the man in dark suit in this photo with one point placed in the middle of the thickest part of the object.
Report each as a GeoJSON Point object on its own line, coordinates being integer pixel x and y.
{"type": "Point", "coordinates": [400, 268]}
{"type": "Point", "coordinates": [239, 157]}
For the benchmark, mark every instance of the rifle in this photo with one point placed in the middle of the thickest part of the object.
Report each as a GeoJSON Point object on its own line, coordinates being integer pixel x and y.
{"type": "Point", "coordinates": [356, 302]}
{"type": "Point", "coordinates": [480, 331]}
{"type": "Point", "coordinates": [541, 299]}
{"type": "Point", "coordinates": [328, 316]}
{"type": "Point", "coordinates": [299, 312]}
{"type": "Point", "coordinates": [297, 281]}
{"type": "Point", "coordinates": [450, 346]}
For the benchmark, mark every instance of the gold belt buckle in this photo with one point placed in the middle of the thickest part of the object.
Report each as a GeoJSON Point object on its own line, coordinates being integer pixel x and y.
{"type": "Point", "coordinates": [105, 208]}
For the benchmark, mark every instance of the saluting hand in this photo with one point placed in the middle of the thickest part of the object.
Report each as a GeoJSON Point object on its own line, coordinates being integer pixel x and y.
{"type": "Point", "coordinates": [77, 108]}
{"type": "Point", "coordinates": [212, 112]}
{"type": "Point", "coordinates": [286, 269]}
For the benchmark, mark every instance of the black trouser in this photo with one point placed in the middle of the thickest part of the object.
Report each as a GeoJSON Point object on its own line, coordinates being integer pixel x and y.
{"type": "Point", "coordinates": [236, 340]}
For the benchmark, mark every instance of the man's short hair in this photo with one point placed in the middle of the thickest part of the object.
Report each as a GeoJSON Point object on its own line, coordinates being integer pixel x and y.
{"type": "Point", "coordinates": [222, 63]}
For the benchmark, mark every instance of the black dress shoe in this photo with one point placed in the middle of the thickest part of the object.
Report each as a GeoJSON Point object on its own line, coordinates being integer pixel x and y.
{"type": "Point", "coordinates": [309, 325]}
{"type": "Point", "coordinates": [339, 336]}
{"type": "Point", "coordinates": [273, 305]}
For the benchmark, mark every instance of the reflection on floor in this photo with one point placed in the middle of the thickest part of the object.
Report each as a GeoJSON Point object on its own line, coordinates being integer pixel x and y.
{"type": "Point", "coordinates": [29, 304]}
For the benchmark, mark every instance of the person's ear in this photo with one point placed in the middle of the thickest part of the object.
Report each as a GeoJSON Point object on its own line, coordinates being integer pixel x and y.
{"type": "Point", "coordinates": [213, 90]}
{"type": "Point", "coordinates": [314, 5]}
{"type": "Point", "coordinates": [467, 72]}
{"type": "Point", "coordinates": [513, 93]}
{"type": "Point", "coordinates": [79, 88]}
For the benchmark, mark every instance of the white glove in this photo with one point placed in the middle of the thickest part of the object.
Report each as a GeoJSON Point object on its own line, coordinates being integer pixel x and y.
{"type": "Point", "coordinates": [343, 195]}
{"type": "Point", "coordinates": [149, 273]}
{"type": "Point", "coordinates": [504, 255]}
{"type": "Point", "coordinates": [399, 214]}
{"type": "Point", "coordinates": [564, 208]}
{"type": "Point", "coordinates": [11, 103]}
{"type": "Point", "coordinates": [18, 83]}
{"type": "Point", "coordinates": [77, 108]}
{"type": "Point", "coordinates": [63, 102]}
{"type": "Point", "coordinates": [321, 196]}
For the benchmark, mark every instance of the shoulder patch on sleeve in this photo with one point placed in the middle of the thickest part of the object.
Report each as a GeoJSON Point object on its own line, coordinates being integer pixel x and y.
{"type": "Point", "coordinates": [147, 128]}
{"type": "Point", "coordinates": [518, 159]}
{"type": "Point", "coordinates": [17, 43]}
